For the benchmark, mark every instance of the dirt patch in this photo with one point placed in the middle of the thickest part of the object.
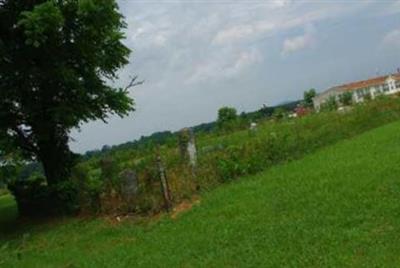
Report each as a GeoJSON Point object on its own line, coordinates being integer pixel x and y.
{"type": "Point", "coordinates": [184, 206]}
{"type": "Point", "coordinates": [136, 218]}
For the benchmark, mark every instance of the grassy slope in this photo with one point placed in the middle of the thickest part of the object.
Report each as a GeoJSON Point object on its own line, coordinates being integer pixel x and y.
{"type": "Point", "coordinates": [337, 207]}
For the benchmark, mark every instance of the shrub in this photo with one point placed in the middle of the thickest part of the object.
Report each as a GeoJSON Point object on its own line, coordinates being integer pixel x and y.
{"type": "Point", "coordinates": [346, 98]}
{"type": "Point", "coordinates": [35, 198]}
{"type": "Point", "coordinates": [227, 118]}
{"type": "Point", "coordinates": [279, 113]}
{"type": "Point", "coordinates": [367, 97]}
{"type": "Point", "coordinates": [330, 104]}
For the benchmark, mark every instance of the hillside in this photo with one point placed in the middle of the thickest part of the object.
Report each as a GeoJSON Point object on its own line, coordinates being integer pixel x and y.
{"type": "Point", "coordinates": [337, 207]}
{"type": "Point", "coordinates": [162, 137]}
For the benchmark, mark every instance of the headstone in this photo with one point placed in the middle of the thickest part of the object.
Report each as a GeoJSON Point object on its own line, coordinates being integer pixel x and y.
{"type": "Point", "coordinates": [191, 149]}
{"type": "Point", "coordinates": [129, 184]}
{"type": "Point", "coordinates": [253, 126]}
{"type": "Point", "coordinates": [187, 146]}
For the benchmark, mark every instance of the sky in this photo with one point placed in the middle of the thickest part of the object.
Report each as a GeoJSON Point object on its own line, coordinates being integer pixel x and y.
{"type": "Point", "coordinates": [197, 56]}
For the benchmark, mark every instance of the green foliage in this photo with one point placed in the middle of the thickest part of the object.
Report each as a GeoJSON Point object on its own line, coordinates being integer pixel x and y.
{"type": "Point", "coordinates": [367, 96]}
{"type": "Point", "coordinates": [56, 59]}
{"type": "Point", "coordinates": [279, 113]}
{"type": "Point", "coordinates": [35, 198]}
{"type": "Point", "coordinates": [8, 212]}
{"type": "Point", "coordinates": [223, 158]}
{"type": "Point", "coordinates": [337, 207]}
{"type": "Point", "coordinates": [308, 98]}
{"type": "Point", "coordinates": [145, 143]}
{"type": "Point", "coordinates": [41, 23]}
{"type": "Point", "coordinates": [90, 187]}
{"type": "Point", "coordinates": [227, 118]}
{"type": "Point", "coordinates": [330, 104]}
{"type": "Point", "coordinates": [346, 98]}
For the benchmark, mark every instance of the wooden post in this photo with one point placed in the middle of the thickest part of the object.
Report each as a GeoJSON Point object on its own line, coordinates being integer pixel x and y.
{"type": "Point", "coordinates": [164, 182]}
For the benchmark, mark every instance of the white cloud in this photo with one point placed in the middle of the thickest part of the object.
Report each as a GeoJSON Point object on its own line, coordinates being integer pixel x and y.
{"type": "Point", "coordinates": [244, 60]}
{"type": "Point", "coordinates": [391, 8]}
{"type": "Point", "coordinates": [233, 33]}
{"type": "Point", "coordinates": [224, 66]}
{"type": "Point", "coordinates": [293, 44]}
{"type": "Point", "coordinates": [392, 39]}
{"type": "Point", "coordinates": [281, 3]}
{"type": "Point", "coordinates": [288, 16]}
{"type": "Point", "coordinates": [242, 31]}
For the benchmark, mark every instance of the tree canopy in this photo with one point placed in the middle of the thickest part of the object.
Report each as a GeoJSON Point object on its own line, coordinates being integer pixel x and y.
{"type": "Point", "coordinates": [226, 117]}
{"type": "Point", "coordinates": [56, 60]}
{"type": "Point", "coordinates": [308, 97]}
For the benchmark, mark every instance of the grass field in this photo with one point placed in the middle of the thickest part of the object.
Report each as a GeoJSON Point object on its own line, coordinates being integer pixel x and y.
{"type": "Point", "coordinates": [335, 208]}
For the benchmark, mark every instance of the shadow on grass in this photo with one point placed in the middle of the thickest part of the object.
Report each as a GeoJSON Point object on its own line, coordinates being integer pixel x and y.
{"type": "Point", "coordinates": [13, 226]}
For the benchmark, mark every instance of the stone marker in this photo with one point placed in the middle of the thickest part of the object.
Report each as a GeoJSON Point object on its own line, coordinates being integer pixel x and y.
{"type": "Point", "coordinates": [253, 126]}
{"type": "Point", "coordinates": [191, 149]}
{"type": "Point", "coordinates": [187, 146]}
{"type": "Point", "coordinates": [129, 184]}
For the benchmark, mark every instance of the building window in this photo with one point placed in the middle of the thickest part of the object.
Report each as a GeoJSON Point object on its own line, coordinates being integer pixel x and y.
{"type": "Point", "coordinates": [398, 84]}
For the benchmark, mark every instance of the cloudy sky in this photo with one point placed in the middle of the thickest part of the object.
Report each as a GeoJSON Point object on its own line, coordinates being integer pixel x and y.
{"type": "Point", "coordinates": [196, 56]}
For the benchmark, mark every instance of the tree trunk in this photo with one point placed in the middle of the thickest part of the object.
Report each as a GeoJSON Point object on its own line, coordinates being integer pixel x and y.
{"type": "Point", "coordinates": [57, 160]}
{"type": "Point", "coordinates": [55, 197]}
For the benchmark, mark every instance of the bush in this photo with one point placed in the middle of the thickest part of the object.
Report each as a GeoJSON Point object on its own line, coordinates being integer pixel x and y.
{"type": "Point", "coordinates": [35, 198]}
{"type": "Point", "coordinates": [90, 188]}
{"type": "Point", "coordinates": [330, 104]}
{"type": "Point", "coordinates": [346, 98]}
{"type": "Point", "coordinates": [227, 118]}
{"type": "Point", "coordinates": [279, 113]}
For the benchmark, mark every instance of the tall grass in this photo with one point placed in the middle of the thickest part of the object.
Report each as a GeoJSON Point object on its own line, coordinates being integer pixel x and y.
{"type": "Point", "coordinates": [222, 158]}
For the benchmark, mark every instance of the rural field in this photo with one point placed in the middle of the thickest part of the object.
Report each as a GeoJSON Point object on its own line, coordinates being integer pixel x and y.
{"type": "Point", "coordinates": [336, 207]}
{"type": "Point", "coordinates": [199, 133]}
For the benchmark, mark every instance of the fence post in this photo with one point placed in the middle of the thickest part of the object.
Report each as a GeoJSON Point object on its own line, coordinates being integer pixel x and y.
{"type": "Point", "coordinates": [164, 182]}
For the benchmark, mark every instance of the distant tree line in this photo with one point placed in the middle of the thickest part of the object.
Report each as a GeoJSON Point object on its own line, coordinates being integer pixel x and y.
{"type": "Point", "coordinates": [163, 137]}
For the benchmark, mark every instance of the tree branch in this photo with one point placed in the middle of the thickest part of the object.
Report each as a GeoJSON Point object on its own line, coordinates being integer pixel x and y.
{"type": "Point", "coordinates": [133, 83]}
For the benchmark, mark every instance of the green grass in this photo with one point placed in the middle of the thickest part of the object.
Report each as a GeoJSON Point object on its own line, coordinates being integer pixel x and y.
{"type": "Point", "coordinates": [8, 210]}
{"type": "Point", "coordinates": [338, 207]}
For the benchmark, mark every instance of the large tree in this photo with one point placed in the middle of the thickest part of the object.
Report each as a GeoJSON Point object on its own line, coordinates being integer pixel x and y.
{"type": "Point", "coordinates": [56, 60]}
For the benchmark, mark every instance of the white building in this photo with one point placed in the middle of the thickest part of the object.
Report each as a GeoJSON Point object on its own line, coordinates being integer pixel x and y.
{"type": "Point", "coordinates": [388, 84]}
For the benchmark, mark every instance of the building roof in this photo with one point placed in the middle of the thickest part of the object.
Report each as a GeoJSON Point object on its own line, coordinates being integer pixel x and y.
{"type": "Point", "coordinates": [368, 83]}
